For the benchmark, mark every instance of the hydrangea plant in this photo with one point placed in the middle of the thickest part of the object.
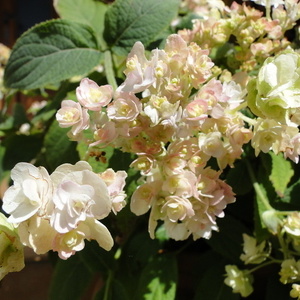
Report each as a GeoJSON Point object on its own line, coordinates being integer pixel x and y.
{"type": "Point", "coordinates": [169, 128]}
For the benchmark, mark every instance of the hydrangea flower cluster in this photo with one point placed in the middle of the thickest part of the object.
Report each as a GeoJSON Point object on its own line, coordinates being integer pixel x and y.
{"type": "Point", "coordinates": [256, 36]}
{"type": "Point", "coordinates": [274, 97]}
{"type": "Point", "coordinates": [59, 211]}
{"type": "Point", "coordinates": [175, 117]}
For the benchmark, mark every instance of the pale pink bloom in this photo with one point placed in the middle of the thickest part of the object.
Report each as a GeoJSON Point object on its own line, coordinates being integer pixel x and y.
{"type": "Point", "coordinates": [80, 194]}
{"type": "Point", "coordinates": [212, 144]}
{"type": "Point", "coordinates": [182, 184]}
{"type": "Point", "coordinates": [267, 135]}
{"type": "Point", "coordinates": [173, 164]}
{"type": "Point", "coordinates": [292, 151]}
{"type": "Point", "coordinates": [139, 71]}
{"type": "Point", "coordinates": [196, 110]}
{"type": "Point", "coordinates": [198, 65]}
{"type": "Point", "coordinates": [105, 135]}
{"type": "Point", "coordinates": [159, 108]}
{"type": "Point", "coordinates": [177, 208]}
{"type": "Point", "coordinates": [69, 243]}
{"type": "Point", "coordinates": [37, 234]}
{"type": "Point", "coordinates": [176, 231]}
{"type": "Point", "coordinates": [92, 96]}
{"type": "Point", "coordinates": [115, 182]}
{"type": "Point", "coordinates": [144, 164]}
{"type": "Point", "coordinates": [72, 115]}
{"type": "Point", "coordinates": [143, 197]}
{"type": "Point", "coordinates": [29, 195]}
{"type": "Point", "coordinates": [125, 107]}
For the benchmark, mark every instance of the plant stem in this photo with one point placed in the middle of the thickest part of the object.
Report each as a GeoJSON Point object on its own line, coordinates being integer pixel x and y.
{"type": "Point", "coordinates": [108, 65]}
{"type": "Point", "coordinates": [263, 265]}
{"type": "Point", "coordinates": [257, 187]}
{"type": "Point", "coordinates": [108, 284]}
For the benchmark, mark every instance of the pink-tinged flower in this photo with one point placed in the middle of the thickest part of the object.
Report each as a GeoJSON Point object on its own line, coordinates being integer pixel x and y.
{"type": "Point", "coordinates": [69, 243]}
{"type": "Point", "coordinates": [37, 234]}
{"type": "Point", "coordinates": [267, 135]}
{"type": "Point", "coordinates": [196, 110]}
{"type": "Point", "coordinates": [198, 65]}
{"type": "Point", "coordinates": [177, 208]}
{"type": "Point", "coordinates": [144, 164]}
{"type": "Point", "coordinates": [177, 231]}
{"type": "Point", "coordinates": [80, 193]}
{"type": "Point", "coordinates": [139, 71]}
{"type": "Point", "coordinates": [143, 197]}
{"type": "Point", "coordinates": [182, 184]}
{"type": "Point", "coordinates": [125, 107]}
{"type": "Point", "coordinates": [29, 195]}
{"type": "Point", "coordinates": [292, 151]}
{"type": "Point", "coordinates": [72, 115]}
{"type": "Point", "coordinates": [159, 108]}
{"type": "Point", "coordinates": [212, 144]}
{"type": "Point", "coordinates": [105, 135]}
{"type": "Point", "coordinates": [115, 182]}
{"type": "Point", "coordinates": [92, 96]}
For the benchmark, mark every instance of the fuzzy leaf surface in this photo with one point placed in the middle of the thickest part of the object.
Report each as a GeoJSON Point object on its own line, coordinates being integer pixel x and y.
{"type": "Point", "coordinates": [50, 52]}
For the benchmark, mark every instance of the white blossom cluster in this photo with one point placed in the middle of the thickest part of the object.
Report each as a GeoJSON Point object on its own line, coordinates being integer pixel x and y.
{"type": "Point", "coordinates": [59, 211]}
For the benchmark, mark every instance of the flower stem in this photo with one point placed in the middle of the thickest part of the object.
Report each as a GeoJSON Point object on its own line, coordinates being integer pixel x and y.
{"type": "Point", "coordinates": [264, 265]}
{"type": "Point", "coordinates": [108, 285]}
{"type": "Point", "coordinates": [257, 188]}
{"type": "Point", "coordinates": [108, 65]}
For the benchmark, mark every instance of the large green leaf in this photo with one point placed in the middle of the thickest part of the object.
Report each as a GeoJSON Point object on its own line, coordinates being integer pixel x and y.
{"type": "Point", "coordinates": [281, 174]}
{"type": "Point", "coordinates": [158, 279]}
{"type": "Point", "coordinates": [70, 279]}
{"type": "Point", "coordinates": [88, 12]}
{"type": "Point", "coordinates": [20, 148]}
{"type": "Point", "coordinates": [228, 241]}
{"type": "Point", "coordinates": [50, 52]}
{"type": "Point", "coordinates": [58, 148]}
{"type": "Point", "coordinates": [211, 285]}
{"type": "Point", "coordinates": [128, 21]}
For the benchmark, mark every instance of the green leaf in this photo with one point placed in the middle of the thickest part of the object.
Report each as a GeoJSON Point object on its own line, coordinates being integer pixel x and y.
{"type": "Point", "coordinates": [128, 21]}
{"type": "Point", "coordinates": [88, 12]}
{"type": "Point", "coordinates": [98, 158]}
{"type": "Point", "coordinates": [70, 279]}
{"type": "Point", "coordinates": [116, 292]}
{"type": "Point", "coordinates": [281, 173]}
{"type": "Point", "coordinates": [275, 289]}
{"type": "Point", "coordinates": [20, 148]}
{"type": "Point", "coordinates": [228, 241]}
{"type": "Point", "coordinates": [261, 231]}
{"type": "Point", "coordinates": [211, 285]}
{"type": "Point", "coordinates": [96, 258]}
{"type": "Point", "coordinates": [58, 148]}
{"type": "Point", "coordinates": [158, 279]}
{"type": "Point", "coordinates": [50, 52]}
{"type": "Point", "coordinates": [241, 185]}
{"type": "Point", "coordinates": [291, 195]}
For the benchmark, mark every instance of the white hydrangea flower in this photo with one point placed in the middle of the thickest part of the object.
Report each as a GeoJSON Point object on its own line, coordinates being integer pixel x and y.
{"type": "Point", "coordinates": [30, 193]}
{"type": "Point", "coordinates": [253, 253]}
{"type": "Point", "coordinates": [11, 249]}
{"type": "Point", "coordinates": [80, 193]}
{"type": "Point", "coordinates": [240, 281]}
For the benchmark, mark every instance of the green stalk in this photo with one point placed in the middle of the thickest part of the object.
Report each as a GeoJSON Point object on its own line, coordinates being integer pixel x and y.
{"type": "Point", "coordinates": [108, 285]}
{"type": "Point", "coordinates": [268, 9]}
{"type": "Point", "coordinates": [257, 187]}
{"type": "Point", "coordinates": [108, 65]}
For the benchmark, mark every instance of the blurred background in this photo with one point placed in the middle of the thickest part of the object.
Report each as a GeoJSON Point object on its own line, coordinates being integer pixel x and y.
{"type": "Point", "coordinates": [16, 16]}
